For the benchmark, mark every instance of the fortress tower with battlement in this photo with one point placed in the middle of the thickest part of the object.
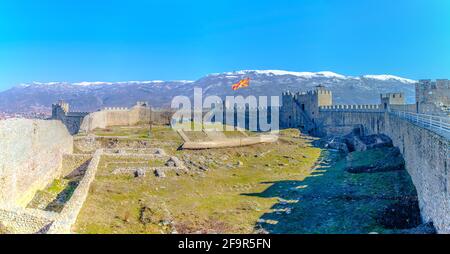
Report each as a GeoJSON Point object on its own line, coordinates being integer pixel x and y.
{"type": "Point", "coordinates": [422, 139]}
{"type": "Point", "coordinates": [72, 120]}
{"type": "Point", "coordinates": [61, 107]}
{"type": "Point", "coordinates": [307, 110]}
{"type": "Point", "coordinates": [433, 97]}
{"type": "Point", "coordinates": [392, 99]}
{"type": "Point", "coordinates": [109, 116]}
{"type": "Point", "coordinates": [300, 110]}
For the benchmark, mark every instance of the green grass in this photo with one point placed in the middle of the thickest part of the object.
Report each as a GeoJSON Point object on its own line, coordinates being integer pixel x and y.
{"type": "Point", "coordinates": [120, 131]}
{"type": "Point", "coordinates": [380, 159]}
{"type": "Point", "coordinates": [367, 158]}
{"type": "Point", "coordinates": [333, 200]}
{"type": "Point", "coordinates": [242, 188]}
{"type": "Point", "coordinates": [212, 201]}
{"type": "Point", "coordinates": [54, 196]}
{"type": "Point", "coordinates": [57, 186]}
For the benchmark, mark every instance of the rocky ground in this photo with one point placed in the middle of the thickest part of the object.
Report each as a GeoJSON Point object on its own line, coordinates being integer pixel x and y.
{"type": "Point", "coordinates": [211, 196]}
{"type": "Point", "coordinates": [3, 229]}
{"type": "Point", "coordinates": [290, 186]}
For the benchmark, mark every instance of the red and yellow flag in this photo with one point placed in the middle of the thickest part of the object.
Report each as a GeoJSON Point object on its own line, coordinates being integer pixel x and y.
{"type": "Point", "coordinates": [242, 83]}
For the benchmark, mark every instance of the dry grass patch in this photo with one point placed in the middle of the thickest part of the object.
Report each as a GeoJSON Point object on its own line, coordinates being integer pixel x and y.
{"type": "Point", "coordinates": [214, 196]}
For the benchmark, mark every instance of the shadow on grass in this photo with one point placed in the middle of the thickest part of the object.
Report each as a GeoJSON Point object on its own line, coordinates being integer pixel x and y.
{"type": "Point", "coordinates": [331, 200]}
{"type": "Point", "coordinates": [58, 203]}
{"type": "Point", "coordinates": [74, 177]}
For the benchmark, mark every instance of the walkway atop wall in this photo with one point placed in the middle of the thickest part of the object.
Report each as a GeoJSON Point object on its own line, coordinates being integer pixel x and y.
{"type": "Point", "coordinates": [438, 124]}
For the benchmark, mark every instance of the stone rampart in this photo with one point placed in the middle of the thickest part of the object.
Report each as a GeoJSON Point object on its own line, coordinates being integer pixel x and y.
{"type": "Point", "coordinates": [25, 221]}
{"type": "Point", "coordinates": [405, 107]}
{"type": "Point", "coordinates": [426, 155]}
{"type": "Point", "coordinates": [342, 122]}
{"type": "Point", "coordinates": [31, 153]}
{"type": "Point", "coordinates": [363, 108]}
{"type": "Point", "coordinates": [124, 117]}
{"type": "Point", "coordinates": [116, 109]}
{"type": "Point", "coordinates": [427, 161]}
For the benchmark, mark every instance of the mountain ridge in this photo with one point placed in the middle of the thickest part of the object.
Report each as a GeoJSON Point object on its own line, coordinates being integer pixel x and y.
{"type": "Point", "coordinates": [91, 96]}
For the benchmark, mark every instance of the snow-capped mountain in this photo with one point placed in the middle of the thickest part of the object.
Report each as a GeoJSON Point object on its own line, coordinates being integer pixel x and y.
{"type": "Point", "coordinates": [91, 96]}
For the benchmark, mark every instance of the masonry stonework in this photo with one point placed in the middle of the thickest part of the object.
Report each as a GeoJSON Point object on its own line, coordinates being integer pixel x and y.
{"type": "Point", "coordinates": [427, 161]}
{"type": "Point", "coordinates": [72, 120]}
{"type": "Point", "coordinates": [433, 97]}
{"type": "Point", "coordinates": [426, 153]}
{"type": "Point", "coordinates": [30, 157]}
{"type": "Point", "coordinates": [125, 117]}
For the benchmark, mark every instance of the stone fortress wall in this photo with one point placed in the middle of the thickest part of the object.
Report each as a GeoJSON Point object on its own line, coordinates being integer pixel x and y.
{"type": "Point", "coordinates": [364, 107]}
{"type": "Point", "coordinates": [72, 120]}
{"type": "Point", "coordinates": [19, 220]}
{"type": "Point", "coordinates": [428, 162]}
{"type": "Point", "coordinates": [388, 99]}
{"type": "Point", "coordinates": [30, 157]}
{"type": "Point", "coordinates": [109, 116]}
{"type": "Point", "coordinates": [115, 117]}
{"type": "Point", "coordinates": [32, 151]}
{"type": "Point", "coordinates": [433, 97]}
{"type": "Point", "coordinates": [425, 152]}
{"type": "Point", "coordinates": [311, 111]}
{"type": "Point", "coordinates": [299, 110]}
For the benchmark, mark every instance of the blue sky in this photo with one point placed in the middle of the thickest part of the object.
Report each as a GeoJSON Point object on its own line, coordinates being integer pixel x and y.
{"type": "Point", "coordinates": [162, 39]}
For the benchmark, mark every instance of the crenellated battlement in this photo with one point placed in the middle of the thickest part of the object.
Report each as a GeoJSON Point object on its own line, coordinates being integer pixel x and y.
{"type": "Point", "coordinates": [391, 95]}
{"type": "Point", "coordinates": [115, 109]}
{"type": "Point", "coordinates": [77, 113]}
{"type": "Point", "coordinates": [235, 107]}
{"type": "Point", "coordinates": [142, 103]}
{"type": "Point", "coordinates": [60, 105]}
{"type": "Point", "coordinates": [363, 107]}
{"type": "Point", "coordinates": [433, 96]}
{"type": "Point", "coordinates": [319, 91]}
{"type": "Point", "coordinates": [434, 84]}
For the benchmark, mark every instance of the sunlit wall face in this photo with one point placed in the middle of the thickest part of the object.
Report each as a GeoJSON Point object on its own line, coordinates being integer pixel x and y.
{"type": "Point", "coordinates": [115, 41]}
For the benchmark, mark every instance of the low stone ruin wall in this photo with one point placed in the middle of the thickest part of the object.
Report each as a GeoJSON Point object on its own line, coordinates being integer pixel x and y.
{"type": "Point", "coordinates": [69, 214]}
{"type": "Point", "coordinates": [25, 221]}
{"type": "Point", "coordinates": [229, 142]}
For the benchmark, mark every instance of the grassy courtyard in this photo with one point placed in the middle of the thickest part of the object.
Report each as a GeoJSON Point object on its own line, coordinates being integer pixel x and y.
{"type": "Point", "coordinates": [212, 199]}
{"type": "Point", "coordinates": [285, 187]}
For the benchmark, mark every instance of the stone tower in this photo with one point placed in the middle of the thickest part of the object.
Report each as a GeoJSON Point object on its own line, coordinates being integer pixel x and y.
{"type": "Point", "coordinates": [60, 108]}
{"type": "Point", "coordinates": [300, 110]}
{"type": "Point", "coordinates": [142, 103]}
{"type": "Point", "coordinates": [322, 97]}
{"type": "Point", "coordinates": [392, 99]}
{"type": "Point", "coordinates": [288, 111]}
{"type": "Point", "coordinates": [433, 97]}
